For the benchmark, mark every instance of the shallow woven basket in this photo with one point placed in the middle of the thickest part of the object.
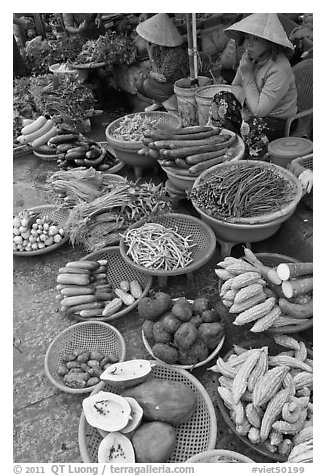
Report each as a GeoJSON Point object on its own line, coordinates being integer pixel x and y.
{"type": "Point", "coordinates": [89, 336]}
{"type": "Point", "coordinates": [59, 216]}
{"type": "Point", "coordinates": [222, 455]}
{"type": "Point", "coordinates": [118, 270]}
{"type": "Point", "coordinates": [295, 186]}
{"type": "Point", "coordinates": [165, 118]}
{"type": "Point", "coordinates": [196, 435]}
{"type": "Point", "coordinates": [273, 349]}
{"type": "Point", "coordinates": [272, 260]}
{"type": "Point", "coordinates": [185, 225]}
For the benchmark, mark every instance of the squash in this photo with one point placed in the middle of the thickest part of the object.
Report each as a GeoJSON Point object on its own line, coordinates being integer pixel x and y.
{"type": "Point", "coordinates": [128, 373]}
{"type": "Point", "coordinates": [163, 400]}
{"type": "Point", "coordinates": [154, 442]}
{"type": "Point", "coordinates": [115, 448]}
{"type": "Point", "coordinates": [106, 411]}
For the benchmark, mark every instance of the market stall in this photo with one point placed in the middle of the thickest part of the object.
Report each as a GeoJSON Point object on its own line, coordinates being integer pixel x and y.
{"type": "Point", "coordinates": [185, 307]}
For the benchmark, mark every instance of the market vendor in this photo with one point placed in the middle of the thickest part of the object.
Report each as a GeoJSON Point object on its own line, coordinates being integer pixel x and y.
{"type": "Point", "coordinates": [168, 59]}
{"type": "Point", "coordinates": [268, 94]}
{"type": "Point", "coordinates": [88, 25]}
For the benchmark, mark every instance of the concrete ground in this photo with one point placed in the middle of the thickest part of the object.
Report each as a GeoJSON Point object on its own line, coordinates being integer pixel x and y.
{"type": "Point", "coordinates": [46, 419]}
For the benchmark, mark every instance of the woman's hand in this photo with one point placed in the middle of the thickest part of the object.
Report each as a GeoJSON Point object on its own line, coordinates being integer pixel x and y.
{"type": "Point", "coordinates": [158, 76]}
{"type": "Point", "coordinates": [306, 180]}
{"type": "Point", "coordinates": [246, 65]}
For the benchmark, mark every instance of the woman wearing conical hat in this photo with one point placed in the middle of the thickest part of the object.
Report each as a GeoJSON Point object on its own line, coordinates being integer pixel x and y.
{"type": "Point", "coordinates": [169, 60]}
{"type": "Point", "coordinates": [268, 94]}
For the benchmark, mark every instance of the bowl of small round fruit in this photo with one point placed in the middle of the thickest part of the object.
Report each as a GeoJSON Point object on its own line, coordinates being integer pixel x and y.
{"type": "Point", "coordinates": [39, 230]}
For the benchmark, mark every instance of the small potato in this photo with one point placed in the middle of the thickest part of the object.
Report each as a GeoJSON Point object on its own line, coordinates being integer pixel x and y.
{"type": "Point", "coordinates": [62, 370]}
{"type": "Point", "coordinates": [83, 357]}
{"type": "Point", "coordinates": [73, 365]}
{"type": "Point", "coordinates": [78, 351]}
{"type": "Point", "coordinates": [85, 368]}
{"type": "Point", "coordinates": [111, 359]}
{"type": "Point", "coordinates": [92, 381]}
{"type": "Point", "coordinates": [96, 371]}
{"type": "Point", "coordinates": [96, 355]}
{"type": "Point", "coordinates": [68, 357]}
{"type": "Point", "coordinates": [93, 363]}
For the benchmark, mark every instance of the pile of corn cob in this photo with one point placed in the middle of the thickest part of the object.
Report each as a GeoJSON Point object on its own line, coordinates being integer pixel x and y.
{"type": "Point", "coordinates": [248, 290]}
{"type": "Point", "coordinates": [270, 396]}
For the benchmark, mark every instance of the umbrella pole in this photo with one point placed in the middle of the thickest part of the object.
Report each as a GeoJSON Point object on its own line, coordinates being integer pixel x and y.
{"type": "Point", "coordinates": [194, 43]}
{"type": "Point", "coordinates": [190, 47]}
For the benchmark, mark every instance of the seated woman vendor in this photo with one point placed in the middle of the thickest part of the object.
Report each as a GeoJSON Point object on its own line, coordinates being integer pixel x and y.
{"type": "Point", "coordinates": [266, 82]}
{"type": "Point", "coordinates": [169, 61]}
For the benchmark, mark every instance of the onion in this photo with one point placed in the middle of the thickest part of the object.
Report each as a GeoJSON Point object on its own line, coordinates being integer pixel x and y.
{"type": "Point", "coordinates": [41, 245]}
{"type": "Point", "coordinates": [53, 230]}
{"type": "Point", "coordinates": [49, 241]}
{"type": "Point", "coordinates": [25, 222]}
{"type": "Point", "coordinates": [34, 246]}
{"type": "Point", "coordinates": [16, 222]}
{"type": "Point", "coordinates": [57, 238]}
{"type": "Point", "coordinates": [43, 237]}
{"type": "Point", "coordinates": [23, 229]}
{"type": "Point", "coordinates": [16, 231]}
{"type": "Point", "coordinates": [18, 240]}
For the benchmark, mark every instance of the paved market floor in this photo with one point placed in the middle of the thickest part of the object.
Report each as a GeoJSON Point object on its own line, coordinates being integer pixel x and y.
{"type": "Point", "coordinates": [46, 419]}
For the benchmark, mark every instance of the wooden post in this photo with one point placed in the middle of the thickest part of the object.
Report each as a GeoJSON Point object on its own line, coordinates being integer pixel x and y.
{"type": "Point", "coordinates": [190, 46]}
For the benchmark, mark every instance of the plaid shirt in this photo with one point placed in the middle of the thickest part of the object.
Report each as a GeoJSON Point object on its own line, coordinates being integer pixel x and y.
{"type": "Point", "coordinates": [171, 62]}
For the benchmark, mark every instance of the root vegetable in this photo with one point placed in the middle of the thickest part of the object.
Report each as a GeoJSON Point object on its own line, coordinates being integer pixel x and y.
{"type": "Point", "coordinates": [297, 287]}
{"type": "Point", "coordinates": [57, 238]}
{"type": "Point", "coordinates": [287, 271]}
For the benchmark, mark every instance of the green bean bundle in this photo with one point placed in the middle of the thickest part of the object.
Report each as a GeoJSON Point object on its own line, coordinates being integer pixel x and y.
{"type": "Point", "coordinates": [242, 191]}
{"type": "Point", "coordinates": [155, 246]}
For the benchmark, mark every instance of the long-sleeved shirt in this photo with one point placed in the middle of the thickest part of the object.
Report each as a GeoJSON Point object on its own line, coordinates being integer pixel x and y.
{"type": "Point", "coordinates": [273, 84]}
{"type": "Point", "coordinates": [171, 62]}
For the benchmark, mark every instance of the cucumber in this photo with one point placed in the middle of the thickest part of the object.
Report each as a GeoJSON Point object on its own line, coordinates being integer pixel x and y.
{"type": "Point", "coordinates": [63, 138]}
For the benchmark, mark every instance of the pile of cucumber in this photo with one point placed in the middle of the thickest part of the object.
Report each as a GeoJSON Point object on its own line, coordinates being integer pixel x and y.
{"type": "Point", "coordinates": [75, 150]}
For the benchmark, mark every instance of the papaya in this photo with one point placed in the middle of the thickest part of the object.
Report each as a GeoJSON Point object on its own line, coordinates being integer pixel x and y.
{"type": "Point", "coordinates": [163, 400]}
{"type": "Point", "coordinates": [128, 373]}
{"type": "Point", "coordinates": [154, 442]}
{"type": "Point", "coordinates": [136, 416]}
{"type": "Point", "coordinates": [107, 411]}
{"type": "Point", "coordinates": [115, 448]}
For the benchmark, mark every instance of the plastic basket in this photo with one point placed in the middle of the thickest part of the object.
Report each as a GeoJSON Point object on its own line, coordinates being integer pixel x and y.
{"type": "Point", "coordinates": [272, 260]}
{"type": "Point", "coordinates": [58, 215]}
{"type": "Point", "coordinates": [118, 270]}
{"type": "Point", "coordinates": [196, 435]}
{"type": "Point", "coordinates": [185, 225]}
{"type": "Point", "coordinates": [273, 349]}
{"type": "Point", "coordinates": [164, 118]}
{"type": "Point", "coordinates": [89, 336]}
{"type": "Point", "coordinates": [285, 210]}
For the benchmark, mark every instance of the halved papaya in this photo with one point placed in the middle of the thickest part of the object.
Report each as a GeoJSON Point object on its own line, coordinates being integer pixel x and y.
{"type": "Point", "coordinates": [107, 411]}
{"type": "Point", "coordinates": [136, 416]}
{"type": "Point", "coordinates": [116, 448]}
{"type": "Point", "coordinates": [128, 373]}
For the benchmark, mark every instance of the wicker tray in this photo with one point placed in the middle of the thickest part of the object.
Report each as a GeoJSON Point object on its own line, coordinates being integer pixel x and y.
{"type": "Point", "coordinates": [186, 225]}
{"type": "Point", "coordinates": [196, 435]}
{"type": "Point", "coordinates": [46, 157]}
{"type": "Point", "coordinates": [273, 349]}
{"type": "Point", "coordinates": [58, 215]}
{"type": "Point", "coordinates": [89, 335]}
{"type": "Point", "coordinates": [295, 185]}
{"type": "Point", "coordinates": [21, 150]}
{"type": "Point", "coordinates": [272, 260]}
{"type": "Point", "coordinates": [118, 270]}
{"type": "Point", "coordinates": [166, 118]}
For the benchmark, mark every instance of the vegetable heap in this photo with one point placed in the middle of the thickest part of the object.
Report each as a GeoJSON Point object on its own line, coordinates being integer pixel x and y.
{"type": "Point", "coordinates": [188, 150]}
{"type": "Point", "coordinates": [155, 246]}
{"type": "Point", "coordinates": [31, 232]}
{"type": "Point", "coordinates": [63, 98]}
{"type": "Point", "coordinates": [99, 223]}
{"type": "Point", "coordinates": [110, 48]}
{"type": "Point", "coordinates": [241, 191]}
{"type": "Point", "coordinates": [131, 128]}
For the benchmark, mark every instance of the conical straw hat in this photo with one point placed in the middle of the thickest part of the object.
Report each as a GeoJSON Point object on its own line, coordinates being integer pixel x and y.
{"type": "Point", "coordinates": [264, 25]}
{"type": "Point", "coordinates": [160, 30]}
